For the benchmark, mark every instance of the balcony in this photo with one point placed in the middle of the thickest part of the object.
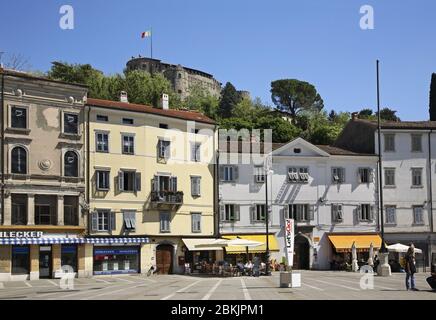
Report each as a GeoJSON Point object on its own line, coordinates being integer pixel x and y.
{"type": "Point", "coordinates": [167, 197]}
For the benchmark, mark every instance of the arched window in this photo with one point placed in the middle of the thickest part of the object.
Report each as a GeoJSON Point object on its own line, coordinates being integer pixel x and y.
{"type": "Point", "coordinates": [19, 160]}
{"type": "Point", "coordinates": [71, 164]}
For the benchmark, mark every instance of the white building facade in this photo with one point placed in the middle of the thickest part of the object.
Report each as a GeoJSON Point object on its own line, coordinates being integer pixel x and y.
{"type": "Point", "coordinates": [330, 192]}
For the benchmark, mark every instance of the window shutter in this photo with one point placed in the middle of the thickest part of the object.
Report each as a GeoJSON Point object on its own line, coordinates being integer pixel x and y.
{"type": "Point", "coordinates": [252, 213]}
{"type": "Point", "coordinates": [198, 186]}
{"type": "Point", "coordinates": [358, 213]}
{"type": "Point", "coordinates": [237, 216]}
{"type": "Point", "coordinates": [167, 150]}
{"type": "Point", "coordinates": [113, 224]}
{"type": "Point", "coordinates": [138, 181]}
{"type": "Point", "coordinates": [342, 171]}
{"type": "Point", "coordinates": [155, 183]}
{"type": "Point", "coordinates": [221, 173]}
{"type": "Point", "coordinates": [193, 154]}
{"type": "Point", "coordinates": [359, 177]}
{"type": "Point", "coordinates": [159, 149]}
{"type": "Point", "coordinates": [333, 213]}
{"type": "Point", "coordinates": [94, 221]}
{"type": "Point", "coordinates": [173, 182]}
{"type": "Point", "coordinates": [222, 212]}
{"type": "Point", "coordinates": [286, 211]}
{"type": "Point", "coordinates": [235, 173]}
{"type": "Point", "coordinates": [120, 180]}
{"type": "Point", "coordinates": [371, 175]}
{"type": "Point", "coordinates": [311, 212]}
{"type": "Point", "coordinates": [340, 212]}
{"type": "Point", "coordinates": [372, 212]}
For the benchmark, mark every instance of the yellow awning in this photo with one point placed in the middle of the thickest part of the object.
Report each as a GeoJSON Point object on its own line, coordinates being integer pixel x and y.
{"type": "Point", "coordinates": [343, 243]}
{"type": "Point", "coordinates": [272, 242]}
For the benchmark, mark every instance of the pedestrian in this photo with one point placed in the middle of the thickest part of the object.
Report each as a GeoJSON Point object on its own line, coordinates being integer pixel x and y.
{"type": "Point", "coordinates": [376, 263]}
{"type": "Point", "coordinates": [410, 268]}
{"type": "Point", "coordinates": [432, 279]}
{"type": "Point", "coordinates": [256, 266]}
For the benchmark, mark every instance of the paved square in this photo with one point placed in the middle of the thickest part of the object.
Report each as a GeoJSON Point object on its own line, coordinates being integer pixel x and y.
{"type": "Point", "coordinates": [324, 285]}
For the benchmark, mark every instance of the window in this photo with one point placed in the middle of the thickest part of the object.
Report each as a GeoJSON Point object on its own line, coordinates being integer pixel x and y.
{"type": "Point", "coordinates": [390, 177]}
{"type": "Point", "coordinates": [19, 160]}
{"type": "Point", "coordinates": [103, 220]}
{"type": "Point", "coordinates": [164, 148]}
{"type": "Point", "coordinates": [365, 212]}
{"type": "Point", "coordinates": [102, 118]}
{"type": "Point", "coordinates": [337, 213]}
{"type": "Point", "coordinates": [365, 175]}
{"type": "Point", "coordinates": [20, 260]}
{"type": "Point", "coordinates": [229, 173]}
{"type": "Point", "coordinates": [195, 152]}
{"type": "Point", "coordinates": [19, 118]}
{"type": "Point", "coordinates": [129, 180]}
{"type": "Point", "coordinates": [258, 214]}
{"type": "Point", "coordinates": [71, 164]}
{"type": "Point", "coordinates": [164, 183]}
{"type": "Point", "coordinates": [338, 175]}
{"type": "Point", "coordinates": [43, 215]}
{"type": "Point", "coordinates": [195, 186]}
{"type": "Point", "coordinates": [418, 215]}
{"type": "Point", "coordinates": [71, 123]}
{"type": "Point", "coordinates": [71, 211]}
{"type": "Point", "coordinates": [102, 142]}
{"type": "Point", "coordinates": [229, 213]}
{"type": "Point", "coordinates": [102, 179]}
{"type": "Point", "coordinates": [416, 143]}
{"type": "Point", "coordinates": [298, 174]}
{"type": "Point", "coordinates": [19, 209]}
{"type": "Point", "coordinates": [259, 174]}
{"type": "Point", "coordinates": [300, 212]}
{"type": "Point", "coordinates": [391, 214]}
{"type": "Point", "coordinates": [389, 142]}
{"type": "Point", "coordinates": [128, 144]}
{"type": "Point", "coordinates": [165, 223]}
{"type": "Point", "coordinates": [417, 177]}
{"type": "Point", "coordinates": [163, 125]}
{"type": "Point", "coordinates": [127, 121]}
{"type": "Point", "coordinates": [103, 217]}
{"type": "Point", "coordinates": [196, 222]}
{"type": "Point", "coordinates": [69, 256]}
{"type": "Point", "coordinates": [129, 220]}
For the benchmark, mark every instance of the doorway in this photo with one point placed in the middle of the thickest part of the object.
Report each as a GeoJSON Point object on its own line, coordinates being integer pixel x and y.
{"type": "Point", "coordinates": [301, 253]}
{"type": "Point", "coordinates": [45, 262]}
{"type": "Point", "coordinates": [164, 259]}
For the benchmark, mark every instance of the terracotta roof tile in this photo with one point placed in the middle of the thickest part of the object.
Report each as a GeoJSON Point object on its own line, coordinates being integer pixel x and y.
{"type": "Point", "coordinates": [179, 114]}
{"type": "Point", "coordinates": [335, 151]}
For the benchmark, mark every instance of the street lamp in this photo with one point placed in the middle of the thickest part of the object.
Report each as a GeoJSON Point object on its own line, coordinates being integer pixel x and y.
{"type": "Point", "coordinates": [267, 253]}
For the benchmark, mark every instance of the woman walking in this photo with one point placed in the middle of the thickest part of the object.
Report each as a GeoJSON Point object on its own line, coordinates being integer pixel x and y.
{"type": "Point", "coordinates": [410, 268]}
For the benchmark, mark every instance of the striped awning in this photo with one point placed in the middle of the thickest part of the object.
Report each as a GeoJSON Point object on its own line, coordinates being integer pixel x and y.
{"type": "Point", "coordinates": [116, 240]}
{"type": "Point", "coordinates": [44, 241]}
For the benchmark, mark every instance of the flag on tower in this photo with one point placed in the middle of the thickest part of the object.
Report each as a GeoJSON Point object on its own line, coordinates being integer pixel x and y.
{"type": "Point", "coordinates": [146, 34]}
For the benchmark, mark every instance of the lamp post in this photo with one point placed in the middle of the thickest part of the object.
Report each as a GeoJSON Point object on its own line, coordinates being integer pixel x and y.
{"type": "Point", "coordinates": [267, 253]}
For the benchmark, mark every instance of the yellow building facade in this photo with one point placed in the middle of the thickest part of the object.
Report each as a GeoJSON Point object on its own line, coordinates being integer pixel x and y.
{"type": "Point", "coordinates": [150, 175]}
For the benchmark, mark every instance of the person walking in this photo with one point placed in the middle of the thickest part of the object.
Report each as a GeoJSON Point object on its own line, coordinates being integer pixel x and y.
{"type": "Point", "coordinates": [432, 279]}
{"type": "Point", "coordinates": [256, 266]}
{"type": "Point", "coordinates": [410, 268]}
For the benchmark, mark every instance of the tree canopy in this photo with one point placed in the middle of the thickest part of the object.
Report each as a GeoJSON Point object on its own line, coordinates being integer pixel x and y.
{"type": "Point", "coordinates": [293, 96]}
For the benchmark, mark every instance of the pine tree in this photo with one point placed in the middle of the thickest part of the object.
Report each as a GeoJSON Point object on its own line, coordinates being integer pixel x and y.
{"type": "Point", "coordinates": [230, 97]}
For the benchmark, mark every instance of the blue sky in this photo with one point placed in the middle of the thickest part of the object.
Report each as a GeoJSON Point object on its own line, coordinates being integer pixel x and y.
{"type": "Point", "coordinates": [249, 43]}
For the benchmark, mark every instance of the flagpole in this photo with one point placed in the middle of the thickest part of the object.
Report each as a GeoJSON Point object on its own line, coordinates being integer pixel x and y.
{"type": "Point", "coordinates": [151, 43]}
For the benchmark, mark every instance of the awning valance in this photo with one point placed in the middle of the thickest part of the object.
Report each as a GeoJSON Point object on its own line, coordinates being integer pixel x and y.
{"type": "Point", "coordinates": [272, 243]}
{"type": "Point", "coordinates": [43, 241]}
{"type": "Point", "coordinates": [343, 243]}
{"type": "Point", "coordinates": [196, 244]}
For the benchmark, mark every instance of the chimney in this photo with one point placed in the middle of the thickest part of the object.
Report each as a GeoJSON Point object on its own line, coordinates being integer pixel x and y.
{"type": "Point", "coordinates": [164, 101]}
{"type": "Point", "coordinates": [123, 97]}
{"type": "Point", "coordinates": [354, 116]}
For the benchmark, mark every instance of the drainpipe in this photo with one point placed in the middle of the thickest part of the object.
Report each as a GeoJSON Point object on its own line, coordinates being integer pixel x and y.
{"type": "Point", "coordinates": [88, 178]}
{"type": "Point", "coordinates": [3, 148]}
{"type": "Point", "coordinates": [216, 187]}
{"type": "Point", "coordinates": [430, 193]}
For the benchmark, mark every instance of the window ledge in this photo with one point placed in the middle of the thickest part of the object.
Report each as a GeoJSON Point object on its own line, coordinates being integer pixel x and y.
{"type": "Point", "coordinates": [416, 187]}
{"type": "Point", "coordinates": [72, 136]}
{"type": "Point", "coordinates": [389, 187]}
{"type": "Point", "coordinates": [165, 231]}
{"type": "Point", "coordinates": [18, 130]}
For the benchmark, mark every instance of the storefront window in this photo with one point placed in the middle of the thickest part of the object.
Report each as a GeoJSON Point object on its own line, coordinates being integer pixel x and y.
{"type": "Point", "coordinates": [116, 260]}
{"type": "Point", "coordinates": [20, 260]}
{"type": "Point", "coordinates": [69, 256]}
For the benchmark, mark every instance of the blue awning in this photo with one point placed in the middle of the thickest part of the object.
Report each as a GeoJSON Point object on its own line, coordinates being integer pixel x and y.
{"type": "Point", "coordinates": [44, 241]}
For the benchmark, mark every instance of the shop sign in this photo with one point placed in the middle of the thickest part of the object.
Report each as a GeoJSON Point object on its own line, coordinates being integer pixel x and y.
{"type": "Point", "coordinates": [115, 251]}
{"type": "Point", "coordinates": [289, 241]}
{"type": "Point", "coordinates": [21, 234]}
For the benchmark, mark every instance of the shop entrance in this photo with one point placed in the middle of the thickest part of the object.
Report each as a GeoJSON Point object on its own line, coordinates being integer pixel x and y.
{"type": "Point", "coordinates": [164, 258]}
{"type": "Point", "coordinates": [301, 253]}
{"type": "Point", "coordinates": [45, 262]}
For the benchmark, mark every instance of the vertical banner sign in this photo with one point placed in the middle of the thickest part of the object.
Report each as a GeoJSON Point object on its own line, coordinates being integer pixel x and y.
{"type": "Point", "coordinates": [289, 241]}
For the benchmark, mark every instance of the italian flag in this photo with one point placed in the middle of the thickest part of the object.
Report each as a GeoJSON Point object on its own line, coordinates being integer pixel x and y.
{"type": "Point", "coordinates": [145, 34]}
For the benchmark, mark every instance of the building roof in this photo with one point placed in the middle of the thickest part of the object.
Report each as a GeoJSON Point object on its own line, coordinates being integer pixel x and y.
{"type": "Point", "coordinates": [411, 125]}
{"type": "Point", "coordinates": [179, 114]}
{"type": "Point", "coordinates": [336, 151]}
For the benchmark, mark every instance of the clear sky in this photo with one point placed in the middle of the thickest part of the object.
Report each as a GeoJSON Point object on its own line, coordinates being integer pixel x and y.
{"type": "Point", "coordinates": [249, 43]}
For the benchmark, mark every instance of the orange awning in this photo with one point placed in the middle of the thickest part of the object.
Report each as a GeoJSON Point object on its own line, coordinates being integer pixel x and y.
{"type": "Point", "coordinates": [343, 243]}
